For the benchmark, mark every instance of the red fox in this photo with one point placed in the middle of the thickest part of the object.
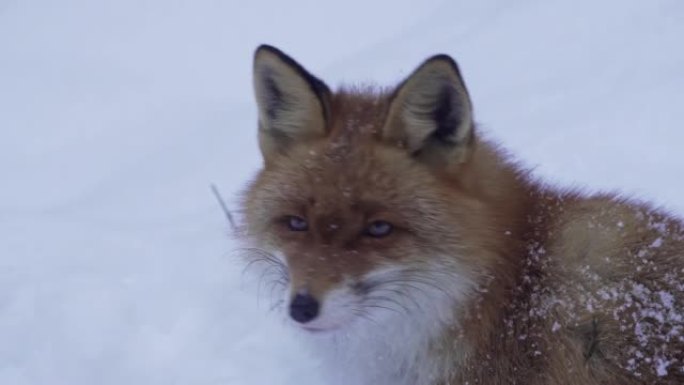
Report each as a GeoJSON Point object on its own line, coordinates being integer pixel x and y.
{"type": "Point", "coordinates": [411, 251]}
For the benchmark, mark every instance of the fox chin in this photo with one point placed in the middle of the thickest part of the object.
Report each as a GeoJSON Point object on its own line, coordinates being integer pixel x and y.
{"type": "Point", "coordinates": [407, 249]}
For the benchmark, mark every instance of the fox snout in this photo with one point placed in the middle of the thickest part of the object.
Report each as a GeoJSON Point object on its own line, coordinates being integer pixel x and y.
{"type": "Point", "coordinates": [322, 311]}
{"type": "Point", "coordinates": [319, 298]}
{"type": "Point", "coordinates": [304, 307]}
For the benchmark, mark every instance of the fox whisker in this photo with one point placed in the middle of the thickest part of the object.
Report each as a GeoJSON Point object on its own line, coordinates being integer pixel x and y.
{"type": "Point", "coordinates": [274, 273]}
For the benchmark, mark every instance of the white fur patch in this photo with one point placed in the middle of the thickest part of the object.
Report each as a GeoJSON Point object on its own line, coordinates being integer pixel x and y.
{"type": "Point", "coordinates": [363, 339]}
{"type": "Point", "coordinates": [390, 344]}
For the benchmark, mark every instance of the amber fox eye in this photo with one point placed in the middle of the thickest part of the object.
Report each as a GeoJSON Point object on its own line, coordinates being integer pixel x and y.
{"type": "Point", "coordinates": [296, 223]}
{"type": "Point", "coordinates": [379, 229]}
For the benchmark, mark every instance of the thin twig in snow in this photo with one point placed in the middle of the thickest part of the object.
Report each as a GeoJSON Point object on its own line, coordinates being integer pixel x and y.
{"type": "Point", "coordinates": [221, 202]}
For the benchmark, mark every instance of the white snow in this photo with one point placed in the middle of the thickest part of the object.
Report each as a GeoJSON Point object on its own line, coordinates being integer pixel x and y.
{"type": "Point", "coordinates": [115, 117]}
{"type": "Point", "coordinates": [657, 243]}
{"type": "Point", "coordinates": [661, 367]}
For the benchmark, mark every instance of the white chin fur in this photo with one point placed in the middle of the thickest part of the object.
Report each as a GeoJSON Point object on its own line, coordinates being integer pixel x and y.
{"type": "Point", "coordinates": [383, 342]}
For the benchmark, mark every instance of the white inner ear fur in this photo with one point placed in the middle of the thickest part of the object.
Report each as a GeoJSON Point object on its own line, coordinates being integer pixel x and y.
{"type": "Point", "coordinates": [288, 108]}
{"type": "Point", "coordinates": [411, 117]}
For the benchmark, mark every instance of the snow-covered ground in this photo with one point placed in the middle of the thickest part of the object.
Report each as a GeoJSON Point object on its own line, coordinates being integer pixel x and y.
{"type": "Point", "coordinates": [115, 117]}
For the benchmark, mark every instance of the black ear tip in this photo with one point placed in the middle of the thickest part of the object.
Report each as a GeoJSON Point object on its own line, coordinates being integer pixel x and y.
{"type": "Point", "coordinates": [265, 48]}
{"type": "Point", "coordinates": [268, 48]}
{"type": "Point", "coordinates": [443, 58]}
{"type": "Point", "coordinates": [316, 84]}
{"type": "Point", "coordinates": [282, 56]}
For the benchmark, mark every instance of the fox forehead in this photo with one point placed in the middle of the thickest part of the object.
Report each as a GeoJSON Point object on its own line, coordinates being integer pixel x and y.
{"type": "Point", "coordinates": [351, 164]}
{"type": "Point", "coordinates": [330, 175]}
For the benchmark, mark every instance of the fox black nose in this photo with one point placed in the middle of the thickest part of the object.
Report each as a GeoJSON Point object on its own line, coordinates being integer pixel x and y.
{"type": "Point", "coordinates": [303, 308]}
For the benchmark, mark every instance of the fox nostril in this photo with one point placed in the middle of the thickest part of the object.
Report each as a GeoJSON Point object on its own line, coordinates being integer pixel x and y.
{"type": "Point", "coordinates": [304, 308]}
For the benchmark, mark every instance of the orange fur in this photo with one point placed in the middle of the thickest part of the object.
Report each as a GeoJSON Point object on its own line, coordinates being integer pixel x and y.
{"type": "Point", "coordinates": [566, 288]}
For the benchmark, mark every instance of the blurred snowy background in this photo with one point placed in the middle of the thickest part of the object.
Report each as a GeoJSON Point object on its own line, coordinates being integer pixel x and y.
{"type": "Point", "coordinates": [115, 117]}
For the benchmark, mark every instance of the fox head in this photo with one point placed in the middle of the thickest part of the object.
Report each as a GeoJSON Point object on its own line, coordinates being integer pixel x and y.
{"type": "Point", "coordinates": [369, 202]}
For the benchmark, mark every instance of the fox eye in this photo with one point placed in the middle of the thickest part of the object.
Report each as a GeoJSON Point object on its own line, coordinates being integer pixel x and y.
{"type": "Point", "coordinates": [296, 223]}
{"type": "Point", "coordinates": [379, 229]}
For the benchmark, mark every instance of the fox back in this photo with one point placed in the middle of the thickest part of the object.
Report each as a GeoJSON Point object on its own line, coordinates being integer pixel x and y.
{"type": "Point", "coordinates": [409, 250]}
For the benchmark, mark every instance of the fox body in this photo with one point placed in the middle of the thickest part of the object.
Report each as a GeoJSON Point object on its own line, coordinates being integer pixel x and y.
{"type": "Point", "coordinates": [409, 250]}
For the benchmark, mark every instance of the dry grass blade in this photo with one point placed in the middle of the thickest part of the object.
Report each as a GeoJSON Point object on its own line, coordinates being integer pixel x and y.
{"type": "Point", "coordinates": [224, 207]}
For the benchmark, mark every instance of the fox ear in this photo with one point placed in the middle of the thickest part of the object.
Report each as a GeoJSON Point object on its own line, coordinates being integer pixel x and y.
{"type": "Point", "coordinates": [430, 114]}
{"type": "Point", "coordinates": [292, 103]}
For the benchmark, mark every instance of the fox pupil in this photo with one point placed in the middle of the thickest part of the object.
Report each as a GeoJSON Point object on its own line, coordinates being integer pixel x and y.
{"type": "Point", "coordinates": [379, 229]}
{"type": "Point", "coordinates": [297, 224]}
